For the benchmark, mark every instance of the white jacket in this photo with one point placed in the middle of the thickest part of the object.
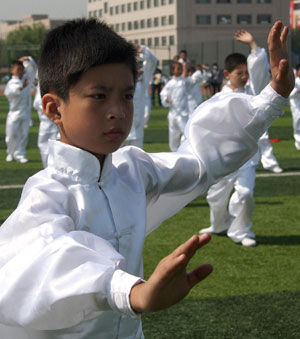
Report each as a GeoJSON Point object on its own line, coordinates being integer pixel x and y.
{"type": "Point", "coordinates": [72, 250]}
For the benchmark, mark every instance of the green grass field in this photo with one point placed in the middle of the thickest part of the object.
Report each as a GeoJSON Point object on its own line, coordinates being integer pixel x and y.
{"type": "Point", "coordinates": [253, 292]}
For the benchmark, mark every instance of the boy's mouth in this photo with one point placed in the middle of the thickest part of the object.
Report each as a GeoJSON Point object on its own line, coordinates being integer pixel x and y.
{"type": "Point", "coordinates": [114, 133]}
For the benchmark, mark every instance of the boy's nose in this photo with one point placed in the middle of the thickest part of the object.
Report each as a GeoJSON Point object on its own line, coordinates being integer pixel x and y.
{"type": "Point", "coordinates": [116, 112]}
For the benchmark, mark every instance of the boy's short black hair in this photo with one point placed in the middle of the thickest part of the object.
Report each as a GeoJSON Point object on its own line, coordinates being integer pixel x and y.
{"type": "Point", "coordinates": [233, 60]}
{"type": "Point", "coordinates": [73, 48]}
{"type": "Point", "coordinates": [16, 63]}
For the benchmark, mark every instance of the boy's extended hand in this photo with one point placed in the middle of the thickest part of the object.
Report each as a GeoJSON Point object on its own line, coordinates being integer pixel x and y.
{"type": "Point", "coordinates": [283, 79]}
{"type": "Point", "coordinates": [245, 37]}
{"type": "Point", "coordinates": [170, 282]}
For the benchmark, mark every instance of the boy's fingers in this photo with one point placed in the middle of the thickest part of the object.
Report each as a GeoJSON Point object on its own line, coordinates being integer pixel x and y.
{"type": "Point", "coordinates": [192, 245]}
{"type": "Point", "coordinates": [283, 37]}
{"type": "Point", "coordinates": [199, 274]}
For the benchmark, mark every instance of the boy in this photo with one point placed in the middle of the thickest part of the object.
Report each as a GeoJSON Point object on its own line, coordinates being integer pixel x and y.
{"type": "Point", "coordinates": [295, 108]}
{"type": "Point", "coordinates": [17, 91]}
{"type": "Point", "coordinates": [71, 253]}
{"type": "Point", "coordinates": [231, 214]}
{"type": "Point", "coordinates": [175, 96]}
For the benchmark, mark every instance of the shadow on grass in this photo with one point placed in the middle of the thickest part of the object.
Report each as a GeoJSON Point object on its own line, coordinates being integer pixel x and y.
{"type": "Point", "coordinates": [282, 240]}
{"type": "Point", "coordinates": [259, 316]}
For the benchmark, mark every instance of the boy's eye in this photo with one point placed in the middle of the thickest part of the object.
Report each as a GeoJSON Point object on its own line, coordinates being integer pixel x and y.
{"type": "Point", "coordinates": [99, 96]}
{"type": "Point", "coordinates": [129, 96]}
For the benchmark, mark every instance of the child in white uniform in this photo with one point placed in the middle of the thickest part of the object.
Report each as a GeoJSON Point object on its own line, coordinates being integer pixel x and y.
{"type": "Point", "coordinates": [295, 108]}
{"type": "Point", "coordinates": [47, 130]}
{"type": "Point", "coordinates": [136, 135]}
{"type": "Point", "coordinates": [71, 253]}
{"type": "Point", "coordinates": [17, 122]}
{"type": "Point", "coordinates": [232, 214]}
{"type": "Point", "coordinates": [175, 96]}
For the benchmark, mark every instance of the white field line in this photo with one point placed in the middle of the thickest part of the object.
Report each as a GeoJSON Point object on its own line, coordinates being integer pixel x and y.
{"type": "Point", "coordinates": [262, 175]}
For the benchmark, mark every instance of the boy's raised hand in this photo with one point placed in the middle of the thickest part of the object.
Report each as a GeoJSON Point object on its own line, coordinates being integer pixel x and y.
{"type": "Point", "coordinates": [245, 37]}
{"type": "Point", "coordinates": [170, 282]}
{"type": "Point", "coordinates": [283, 79]}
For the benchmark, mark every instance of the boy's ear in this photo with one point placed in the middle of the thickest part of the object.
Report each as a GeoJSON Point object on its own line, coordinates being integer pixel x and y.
{"type": "Point", "coordinates": [52, 107]}
{"type": "Point", "coordinates": [226, 74]}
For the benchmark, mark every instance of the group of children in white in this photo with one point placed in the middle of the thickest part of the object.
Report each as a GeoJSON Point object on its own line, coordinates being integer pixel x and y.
{"type": "Point", "coordinates": [71, 253]}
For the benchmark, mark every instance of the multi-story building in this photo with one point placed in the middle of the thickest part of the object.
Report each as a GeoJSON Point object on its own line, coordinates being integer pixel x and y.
{"type": "Point", "coordinates": [295, 14]}
{"type": "Point", "coordinates": [28, 20]}
{"type": "Point", "coordinates": [205, 28]}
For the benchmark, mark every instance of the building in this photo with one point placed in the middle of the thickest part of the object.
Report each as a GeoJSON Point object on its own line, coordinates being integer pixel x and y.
{"type": "Point", "coordinates": [205, 28]}
{"type": "Point", "coordinates": [295, 14]}
{"type": "Point", "coordinates": [28, 20]}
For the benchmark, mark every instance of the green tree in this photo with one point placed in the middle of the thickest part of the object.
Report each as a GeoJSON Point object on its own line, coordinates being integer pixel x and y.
{"type": "Point", "coordinates": [25, 41]}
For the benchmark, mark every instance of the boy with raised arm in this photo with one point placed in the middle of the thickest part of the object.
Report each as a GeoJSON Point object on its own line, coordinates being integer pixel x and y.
{"type": "Point", "coordinates": [71, 253]}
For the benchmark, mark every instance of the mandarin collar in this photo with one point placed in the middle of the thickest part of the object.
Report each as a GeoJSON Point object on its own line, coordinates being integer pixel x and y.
{"type": "Point", "coordinates": [80, 164]}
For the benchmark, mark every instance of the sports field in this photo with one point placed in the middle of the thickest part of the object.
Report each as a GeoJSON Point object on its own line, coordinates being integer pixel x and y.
{"type": "Point", "coordinates": [253, 292]}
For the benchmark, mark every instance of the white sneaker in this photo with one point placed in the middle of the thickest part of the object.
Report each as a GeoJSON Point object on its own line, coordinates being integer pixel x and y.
{"type": "Point", "coordinates": [22, 160]}
{"type": "Point", "coordinates": [9, 158]}
{"type": "Point", "coordinates": [276, 169]}
{"type": "Point", "coordinates": [248, 242]}
{"type": "Point", "coordinates": [210, 230]}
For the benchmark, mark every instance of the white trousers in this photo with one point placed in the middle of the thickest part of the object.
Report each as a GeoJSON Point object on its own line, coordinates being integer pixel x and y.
{"type": "Point", "coordinates": [233, 214]}
{"type": "Point", "coordinates": [296, 125]}
{"type": "Point", "coordinates": [176, 131]}
{"type": "Point", "coordinates": [268, 159]}
{"type": "Point", "coordinates": [16, 137]}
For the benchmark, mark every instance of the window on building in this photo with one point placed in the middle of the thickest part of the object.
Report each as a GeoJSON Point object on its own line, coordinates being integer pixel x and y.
{"type": "Point", "coordinates": [149, 23]}
{"type": "Point", "coordinates": [123, 8]}
{"type": "Point", "coordinates": [135, 6]}
{"type": "Point", "coordinates": [100, 13]}
{"type": "Point", "coordinates": [156, 41]}
{"type": "Point", "coordinates": [155, 3]}
{"type": "Point", "coordinates": [223, 1]}
{"type": "Point", "coordinates": [171, 2]}
{"type": "Point", "coordinates": [264, 1]}
{"type": "Point", "coordinates": [142, 41]}
{"type": "Point", "coordinates": [223, 19]}
{"type": "Point", "coordinates": [117, 10]}
{"type": "Point", "coordinates": [136, 41]}
{"type": "Point", "coordinates": [171, 19]}
{"type": "Point", "coordinates": [95, 14]}
{"type": "Point", "coordinates": [105, 7]}
{"type": "Point", "coordinates": [111, 11]}
{"type": "Point", "coordinates": [142, 4]}
{"type": "Point", "coordinates": [90, 14]}
{"type": "Point", "coordinates": [129, 26]}
{"type": "Point", "coordinates": [129, 7]}
{"type": "Point", "coordinates": [156, 22]}
{"type": "Point", "coordinates": [264, 19]}
{"type": "Point", "coordinates": [136, 25]}
{"type": "Point", "coordinates": [171, 40]}
{"type": "Point", "coordinates": [202, 1]}
{"type": "Point", "coordinates": [164, 21]}
{"type": "Point", "coordinates": [123, 26]}
{"type": "Point", "coordinates": [244, 1]}
{"type": "Point", "coordinates": [117, 27]}
{"type": "Point", "coordinates": [149, 3]}
{"type": "Point", "coordinates": [163, 2]}
{"type": "Point", "coordinates": [244, 19]}
{"type": "Point", "coordinates": [296, 6]}
{"type": "Point", "coordinates": [149, 42]}
{"type": "Point", "coordinates": [164, 40]}
{"type": "Point", "coordinates": [203, 19]}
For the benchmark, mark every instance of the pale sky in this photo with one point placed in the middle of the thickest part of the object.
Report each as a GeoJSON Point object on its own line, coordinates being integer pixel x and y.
{"type": "Point", "coordinates": [56, 9]}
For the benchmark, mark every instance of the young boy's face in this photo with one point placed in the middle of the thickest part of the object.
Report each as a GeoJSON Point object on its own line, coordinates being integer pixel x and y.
{"type": "Point", "coordinates": [17, 70]}
{"type": "Point", "coordinates": [238, 77]}
{"type": "Point", "coordinates": [98, 114]}
{"type": "Point", "coordinates": [177, 70]}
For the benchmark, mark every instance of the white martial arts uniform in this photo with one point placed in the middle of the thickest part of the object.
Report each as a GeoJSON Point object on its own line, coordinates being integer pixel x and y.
{"type": "Point", "coordinates": [30, 74]}
{"type": "Point", "coordinates": [295, 109]}
{"type": "Point", "coordinates": [175, 96]}
{"type": "Point", "coordinates": [72, 250]}
{"type": "Point", "coordinates": [17, 121]}
{"type": "Point", "coordinates": [47, 130]}
{"type": "Point", "coordinates": [136, 135]}
{"type": "Point", "coordinates": [233, 213]}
